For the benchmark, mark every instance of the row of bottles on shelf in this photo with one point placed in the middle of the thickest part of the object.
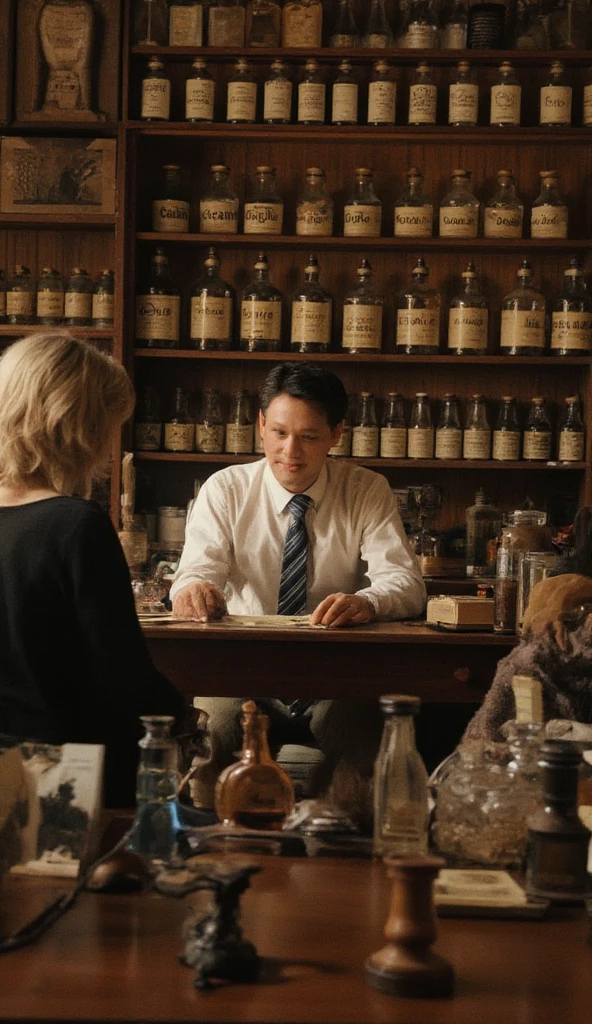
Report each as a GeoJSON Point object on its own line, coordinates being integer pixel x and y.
{"type": "Point", "coordinates": [306, 104]}
{"type": "Point", "coordinates": [524, 322]}
{"type": "Point", "coordinates": [76, 303]}
{"type": "Point", "coordinates": [460, 214]}
{"type": "Point", "coordinates": [391, 435]}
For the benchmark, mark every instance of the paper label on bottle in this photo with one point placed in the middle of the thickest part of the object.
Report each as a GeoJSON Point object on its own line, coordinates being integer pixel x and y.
{"type": "Point", "coordinates": [239, 438]}
{"type": "Point", "coordinates": [572, 330]}
{"type": "Point", "coordinates": [422, 104]}
{"type": "Point", "coordinates": [311, 102]}
{"type": "Point", "coordinates": [501, 223]}
{"type": "Point", "coordinates": [314, 219]}
{"type": "Point", "coordinates": [157, 317]}
{"type": "Point", "coordinates": [548, 221]}
{"type": "Point", "coordinates": [571, 446]}
{"type": "Point", "coordinates": [362, 220]}
{"type": "Point", "coordinates": [365, 442]}
{"type": "Point", "coordinates": [463, 103]}
{"type": "Point", "coordinates": [147, 437]}
{"type": "Point", "coordinates": [467, 328]}
{"type": "Point", "coordinates": [19, 303]}
{"type": "Point", "coordinates": [301, 26]}
{"type": "Point", "coordinates": [362, 327]}
{"type": "Point", "coordinates": [261, 320]}
{"type": "Point", "coordinates": [459, 221]}
{"type": "Point", "coordinates": [209, 438]}
{"type": "Point", "coordinates": [505, 104]}
{"type": "Point", "coordinates": [199, 99]}
{"type": "Point", "coordinates": [263, 218]}
{"type": "Point", "coordinates": [156, 98]}
{"type": "Point", "coordinates": [185, 25]}
{"type": "Point", "coordinates": [218, 217]}
{"type": "Point", "coordinates": [556, 104]}
{"type": "Point", "coordinates": [211, 317]}
{"type": "Point", "coordinates": [50, 304]}
{"type": "Point", "coordinates": [343, 446]}
{"type": "Point", "coordinates": [393, 442]}
{"type": "Point", "coordinates": [506, 445]}
{"type": "Point", "coordinates": [376, 41]}
{"type": "Point", "coordinates": [587, 104]}
{"type": "Point", "coordinates": [448, 443]}
{"type": "Point", "coordinates": [179, 437]}
{"type": "Point", "coordinates": [476, 443]}
{"type": "Point", "coordinates": [241, 101]}
{"type": "Point", "coordinates": [311, 322]}
{"type": "Point", "coordinates": [277, 101]}
{"type": "Point", "coordinates": [522, 328]}
{"type": "Point", "coordinates": [345, 102]}
{"type": "Point", "coordinates": [537, 444]}
{"type": "Point", "coordinates": [414, 221]}
{"type": "Point", "coordinates": [382, 102]}
{"type": "Point", "coordinates": [226, 26]}
{"type": "Point", "coordinates": [170, 215]}
{"type": "Point", "coordinates": [421, 37]}
{"type": "Point", "coordinates": [420, 442]}
{"type": "Point", "coordinates": [78, 305]}
{"type": "Point", "coordinates": [453, 37]}
{"type": "Point", "coordinates": [418, 327]}
{"type": "Point", "coordinates": [102, 306]}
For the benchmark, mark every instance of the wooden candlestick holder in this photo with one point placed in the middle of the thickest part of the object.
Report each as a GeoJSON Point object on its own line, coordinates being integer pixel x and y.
{"type": "Point", "coordinates": [407, 966]}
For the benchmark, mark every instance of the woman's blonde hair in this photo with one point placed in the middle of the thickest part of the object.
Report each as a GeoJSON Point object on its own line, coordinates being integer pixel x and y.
{"type": "Point", "coordinates": [60, 401]}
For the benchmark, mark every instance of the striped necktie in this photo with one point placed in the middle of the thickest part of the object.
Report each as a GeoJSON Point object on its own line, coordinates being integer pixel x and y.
{"type": "Point", "coordinates": [292, 595]}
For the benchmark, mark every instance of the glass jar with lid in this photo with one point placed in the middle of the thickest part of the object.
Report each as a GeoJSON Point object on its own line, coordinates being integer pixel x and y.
{"type": "Point", "coordinates": [524, 530]}
{"type": "Point", "coordinates": [483, 526]}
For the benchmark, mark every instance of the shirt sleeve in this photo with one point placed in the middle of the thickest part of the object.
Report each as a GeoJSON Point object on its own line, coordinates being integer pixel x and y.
{"type": "Point", "coordinates": [208, 548]}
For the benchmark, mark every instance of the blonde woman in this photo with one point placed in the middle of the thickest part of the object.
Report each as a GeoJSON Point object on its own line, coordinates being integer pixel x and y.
{"type": "Point", "coordinates": [73, 662]}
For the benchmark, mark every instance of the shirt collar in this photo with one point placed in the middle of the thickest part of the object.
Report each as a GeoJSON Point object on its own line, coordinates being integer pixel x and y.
{"type": "Point", "coordinates": [280, 496]}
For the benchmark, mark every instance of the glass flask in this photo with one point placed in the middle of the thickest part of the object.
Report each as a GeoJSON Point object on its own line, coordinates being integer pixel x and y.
{"type": "Point", "coordinates": [468, 317]}
{"type": "Point", "coordinates": [2, 298]}
{"type": "Point", "coordinates": [302, 24]}
{"type": "Point", "coordinates": [179, 426]}
{"type": "Point", "coordinates": [378, 34]}
{"type": "Point", "coordinates": [423, 96]}
{"type": "Point", "coordinates": [277, 95]}
{"type": "Point", "coordinates": [530, 32]}
{"type": "Point", "coordinates": [312, 308]}
{"type": "Point", "coordinates": [362, 212]}
{"type": "Point", "coordinates": [170, 209]}
{"type": "Point", "coordinates": [463, 97]}
{"type": "Point", "coordinates": [156, 93]}
{"type": "Point", "coordinates": [345, 31]}
{"type": "Point", "coordinates": [103, 299]}
{"type": "Point", "coordinates": [420, 29]}
{"type": "Point", "coordinates": [343, 447]}
{"type": "Point", "coordinates": [158, 306]}
{"type": "Point", "coordinates": [314, 210]}
{"type": "Point", "coordinates": [448, 430]}
{"type": "Point", "coordinates": [50, 297]}
{"type": "Point", "coordinates": [21, 293]}
{"type": "Point", "coordinates": [571, 330]}
{"type": "Point", "coordinates": [78, 295]}
{"type": "Point", "coordinates": [418, 315]}
{"type": "Point", "coordinates": [240, 425]}
{"type": "Point", "coordinates": [148, 424]}
{"type": "Point", "coordinates": [459, 209]}
{"type": "Point", "coordinates": [453, 35]}
{"type": "Point", "coordinates": [226, 23]}
{"type": "Point", "coordinates": [211, 308]}
{"type": "Point", "coordinates": [477, 432]}
{"type": "Point", "coordinates": [261, 312]}
{"type": "Point", "coordinates": [241, 95]}
{"type": "Point", "coordinates": [507, 434]}
{"type": "Point", "coordinates": [414, 214]}
{"type": "Point", "coordinates": [484, 523]}
{"type": "Point", "coordinates": [344, 96]}
{"type": "Point", "coordinates": [200, 93]}
{"type": "Point", "coordinates": [365, 435]}
{"type": "Point", "coordinates": [548, 217]}
{"type": "Point", "coordinates": [571, 438]}
{"type": "Point", "coordinates": [400, 783]}
{"type": "Point", "coordinates": [555, 98]}
{"type": "Point", "coordinates": [156, 824]}
{"type": "Point", "coordinates": [393, 430]}
{"type": "Point", "coordinates": [209, 425]}
{"type": "Point", "coordinates": [311, 95]}
{"type": "Point", "coordinates": [382, 95]}
{"type": "Point", "coordinates": [505, 98]}
{"type": "Point", "coordinates": [264, 209]}
{"type": "Point", "coordinates": [185, 23]}
{"type": "Point", "coordinates": [362, 314]}
{"type": "Point", "coordinates": [263, 23]}
{"type": "Point", "coordinates": [503, 213]}
{"type": "Point", "coordinates": [523, 317]}
{"type": "Point", "coordinates": [218, 207]}
{"type": "Point", "coordinates": [536, 443]}
{"type": "Point", "coordinates": [420, 433]}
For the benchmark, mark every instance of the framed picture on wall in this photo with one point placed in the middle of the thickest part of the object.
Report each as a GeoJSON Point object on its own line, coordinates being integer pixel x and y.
{"type": "Point", "coordinates": [52, 176]}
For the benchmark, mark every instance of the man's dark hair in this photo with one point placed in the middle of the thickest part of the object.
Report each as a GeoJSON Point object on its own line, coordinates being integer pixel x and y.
{"type": "Point", "coordinates": [309, 382]}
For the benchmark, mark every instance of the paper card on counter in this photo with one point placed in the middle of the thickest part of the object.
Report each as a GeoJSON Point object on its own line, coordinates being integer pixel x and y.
{"type": "Point", "coordinates": [270, 621]}
{"type": "Point", "coordinates": [478, 887]}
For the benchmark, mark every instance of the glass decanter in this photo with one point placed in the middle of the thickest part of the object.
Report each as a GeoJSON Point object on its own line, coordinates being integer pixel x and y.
{"type": "Point", "coordinates": [156, 824]}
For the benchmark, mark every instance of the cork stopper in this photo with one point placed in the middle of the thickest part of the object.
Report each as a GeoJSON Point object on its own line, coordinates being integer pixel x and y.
{"type": "Point", "coordinates": [315, 172]}
{"type": "Point", "coordinates": [505, 176]}
{"type": "Point", "coordinates": [508, 398]}
{"type": "Point", "coordinates": [220, 169]}
{"type": "Point", "coordinates": [46, 271]}
{"type": "Point", "coordinates": [20, 269]}
{"type": "Point", "coordinates": [154, 64]}
{"type": "Point", "coordinates": [420, 268]}
{"type": "Point", "coordinates": [574, 269]}
{"type": "Point", "coordinates": [382, 66]}
{"type": "Point", "coordinates": [311, 65]}
{"type": "Point", "coordinates": [241, 65]}
{"type": "Point", "coordinates": [538, 400]}
{"type": "Point", "coordinates": [414, 174]}
{"type": "Point", "coordinates": [525, 270]}
{"type": "Point", "coordinates": [470, 273]}
{"type": "Point", "coordinates": [463, 65]}
{"type": "Point", "coordinates": [171, 167]}
{"type": "Point", "coordinates": [506, 66]}
{"type": "Point", "coordinates": [199, 64]}
{"type": "Point", "coordinates": [278, 65]}
{"type": "Point", "coordinates": [460, 175]}
{"type": "Point", "coordinates": [78, 271]}
{"type": "Point", "coordinates": [312, 263]}
{"type": "Point", "coordinates": [421, 394]}
{"type": "Point", "coordinates": [556, 67]}
{"type": "Point", "coordinates": [572, 400]}
{"type": "Point", "coordinates": [262, 262]}
{"type": "Point", "coordinates": [264, 169]}
{"type": "Point", "coordinates": [345, 65]}
{"type": "Point", "coordinates": [365, 268]}
{"type": "Point", "coordinates": [423, 67]}
{"type": "Point", "coordinates": [212, 259]}
{"type": "Point", "coordinates": [544, 175]}
{"type": "Point", "coordinates": [363, 172]}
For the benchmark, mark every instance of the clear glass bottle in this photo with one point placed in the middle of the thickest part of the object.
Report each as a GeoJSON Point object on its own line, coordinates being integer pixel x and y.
{"type": "Point", "coordinates": [362, 314]}
{"type": "Point", "coordinates": [548, 217]}
{"type": "Point", "coordinates": [103, 300]}
{"type": "Point", "coordinates": [150, 22]}
{"type": "Point", "coordinates": [302, 24]}
{"type": "Point", "coordinates": [536, 443]}
{"type": "Point", "coordinates": [218, 207]}
{"type": "Point", "coordinates": [345, 31]}
{"type": "Point", "coordinates": [209, 426]}
{"type": "Point", "coordinates": [420, 433]}
{"type": "Point", "coordinates": [463, 97]}
{"type": "Point", "coordinates": [156, 92]}
{"type": "Point", "coordinates": [448, 430]}
{"type": "Point", "coordinates": [312, 309]}
{"type": "Point", "coordinates": [587, 100]}
{"type": "Point", "coordinates": [50, 297]}
{"type": "Point", "coordinates": [2, 298]}
{"type": "Point", "coordinates": [200, 91]}
{"type": "Point", "coordinates": [524, 530]}
{"type": "Point", "coordinates": [240, 425]}
{"type": "Point", "coordinates": [486, 28]}
{"type": "Point", "coordinates": [156, 824]}
{"type": "Point", "coordinates": [185, 23]}
{"type": "Point", "coordinates": [365, 435]}
{"type": "Point", "coordinates": [555, 98]}
{"type": "Point", "coordinates": [261, 312]}
{"type": "Point", "coordinates": [418, 315]}
{"type": "Point", "coordinates": [158, 306]}
{"type": "Point", "coordinates": [503, 213]}
{"type": "Point", "coordinates": [382, 95]}
{"type": "Point", "coordinates": [362, 212]}
{"type": "Point", "coordinates": [414, 214]}
{"type": "Point", "coordinates": [277, 95]}
{"type": "Point", "coordinates": [468, 317]}
{"type": "Point", "coordinates": [453, 35]}
{"type": "Point", "coordinates": [484, 523]}
{"type": "Point", "coordinates": [343, 447]}
{"type": "Point", "coordinates": [477, 432]}
{"type": "Point", "coordinates": [571, 329]}
{"type": "Point", "coordinates": [393, 430]}
{"type": "Point", "coordinates": [569, 25]}
{"type": "Point", "coordinates": [459, 209]}
{"type": "Point", "coordinates": [241, 95]}
{"type": "Point", "coordinates": [211, 308]}
{"type": "Point", "coordinates": [507, 434]}
{"type": "Point", "coordinates": [311, 95]}
{"type": "Point", "coordinates": [400, 783]}
{"type": "Point", "coordinates": [420, 29]}
{"type": "Point", "coordinates": [378, 34]}
{"type": "Point", "coordinates": [226, 23]}
{"type": "Point", "coordinates": [314, 210]}
{"type": "Point", "coordinates": [21, 293]}
{"type": "Point", "coordinates": [423, 96]}
{"type": "Point", "coordinates": [78, 295]}
{"type": "Point", "coordinates": [264, 18]}
{"type": "Point", "coordinates": [344, 96]}
{"type": "Point", "coordinates": [523, 317]}
{"type": "Point", "coordinates": [148, 424]}
{"type": "Point", "coordinates": [170, 209]}
{"type": "Point", "coordinates": [505, 98]}
{"type": "Point", "coordinates": [179, 428]}
{"type": "Point", "coordinates": [571, 439]}
{"type": "Point", "coordinates": [264, 209]}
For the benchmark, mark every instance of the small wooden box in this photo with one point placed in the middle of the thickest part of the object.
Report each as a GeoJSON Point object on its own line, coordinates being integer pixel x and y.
{"type": "Point", "coordinates": [459, 612]}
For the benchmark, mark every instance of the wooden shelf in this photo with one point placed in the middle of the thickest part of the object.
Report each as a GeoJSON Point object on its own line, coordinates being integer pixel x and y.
{"type": "Point", "coordinates": [470, 464]}
{"type": "Point", "coordinates": [20, 330]}
{"type": "Point", "coordinates": [545, 362]}
{"type": "Point", "coordinates": [357, 243]}
{"type": "Point", "coordinates": [57, 221]}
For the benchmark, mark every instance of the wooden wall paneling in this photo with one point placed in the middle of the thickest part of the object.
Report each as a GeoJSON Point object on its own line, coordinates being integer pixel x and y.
{"type": "Point", "coordinates": [6, 55]}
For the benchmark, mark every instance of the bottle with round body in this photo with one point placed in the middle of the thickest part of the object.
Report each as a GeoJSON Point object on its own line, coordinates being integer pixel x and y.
{"type": "Point", "coordinates": [103, 300]}
{"type": "Point", "coordinates": [484, 523]}
{"type": "Point", "coordinates": [571, 438]}
{"type": "Point", "coordinates": [477, 432]}
{"type": "Point", "coordinates": [264, 209]}
{"type": "Point", "coordinates": [78, 295]}
{"type": "Point", "coordinates": [448, 430]}
{"type": "Point", "coordinates": [199, 93]}
{"type": "Point", "coordinates": [362, 314]}
{"type": "Point", "coordinates": [468, 317]}
{"type": "Point", "coordinates": [311, 95]}
{"type": "Point", "coordinates": [209, 426]}
{"type": "Point", "coordinates": [414, 213]}
{"type": "Point", "coordinates": [420, 433]}
{"type": "Point", "coordinates": [261, 312]}
{"type": "Point", "coordinates": [505, 98]}
{"type": "Point", "coordinates": [400, 783]}
{"type": "Point", "coordinates": [312, 308]}
{"type": "Point", "coordinates": [344, 96]}
{"type": "Point", "coordinates": [503, 213]}
{"type": "Point", "coordinates": [156, 92]}
{"type": "Point", "coordinates": [423, 96]}
{"type": "Point", "coordinates": [523, 317]}
{"type": "Point", "coordinates": [463, 97]}
{"type": "Point", "coordinates": [241, 95]}
{"type": "Point", "coordinates": [382, 95]}
{"type": "Point", "coordinates": [277, 95]}
{"type": "Point", "coordinates": [158, 307]}
{"type": "Point", "coordinates": [571, 319]}
{"type": "Point", "coordinates": [211, 308]}
{"type": "Point", "coordinates": [548, 217]}
{"type": "Point", "coordinates": [240, 425]}
{"type": "Point", "coordinates": [218, 207]}
{"type": "Point", "coordinates": [393, 430]}
{"type": "Point", "coordinates": [148, 422]}
{"type": "Point", "coordinates": [21, 293]}
{"type": "Point", "coordinates": [170, 208]}
{"type": "Point", "coordinates": [507, 434]}
{"type": "Point", "coordinates": [362, 212]}
{"type": "Point", "coordinates": [179, 426]}
{"type": "Point", "coordinates": [314, 210]}
{"type": "Point", "coordinates": [50, 297]}
{"type": "Point", "coordinates": [418, 315]}
{"type": "Point", "coordinates": [537, 440]}
{"type": "Point", "coordinates": [365, 435]}
{"type": "Point", "coordinates": [459, 209]}
{"type": "Point", "coordinates": [555, 98]}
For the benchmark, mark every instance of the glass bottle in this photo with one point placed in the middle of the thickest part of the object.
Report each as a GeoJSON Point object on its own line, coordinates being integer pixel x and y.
{"type": "Point", "coordinates": [2, 298]}
{"type": "Point", "coordinates": [345, 31]}
{"type": "Point", "coordinates": [420, 29]}
{"type": "Point", "coordinates": [365, 435]}
{"type": "Point", "coordinates": [503, 213]}
{"type": "Point", "coordinates": [423, 95]}
{"type": "Point", "coordinates": [505, 98]}
{"type": "Point", "coordinates": [179, 428]}
{"type": "Point", "coordinates": [241, 95]}
{"type": "Point", "coordinates": [468, 317]}
{"type": "Point", "coordinates": [78, 299]}
{"type": "Point", "coordinates": [400, 783]}
{"type": "Point", "coordinates": [261, 312]}
{"type": "Point", "coordinates": [523, 317]}
{"type": "Point", "coordinates": [418, 315]}
{"type": "Point", "coordinates": [148, 421]}
{"type": "Point", "coordinates": [571, 331]}
{"type": "Point", "coordinates": [226, 23]}
{"type": "Point", "coordinates": [459, 209]}
{"type": "Point", "coordinates": [420, 433]}
{"type": "Point", "coordinates": [209, 425]}
{"type": "Point", "coordinates": [587, 101]}
{"type": "Point", "coordinates": [536, 444]}
{"type": "Point", "coordinates": [382, 95]}
{"type": "Point", "coordinates": [156, 93]}
{"type": "Point", "coordinates": [21, 297]}
{"type": "Point", "coordinates": [240, 425]}
{"type": "Point", "coordinates": [568, 25]}
{"type": "Point", "coordinates": [50, 297]}
{"type": "Point", "coordinates": [571, 437]}
{"type": "Point", "coordinates": [453, 35]}
{"type": "Point", "coordinates": [150, 22]}
{"type": "Point", "coordinates": [487, 24]}
{"type": "Point", "coordinates": [343, 447]}
{"type": "Point", "coordinates": [414, 214]}
{"type": "Point", "coordinates": [254, 792]}
{"type": "Point", "coordinates": [314, 210]}
{"type": "Point", "coordinates": [103, 300]}
{"type": "Point", "coordinates": [311, 95]}
{"type": "Point", "coordinates": [362, 212]}
{"type": "Point", "coordinates": [312, 307]}
{"type": "Point", "coordinates": [378, 34]}
{"type": "Point", "coordinates": [529, 28]}
{"type": "Point", "coordinates": [263, 210]}
{"type": "Point", "coordinates": [158, 307]}
{"type": "Point", "coordinates": [463, 97]}
{"type": "Point", "coordinates": [199, 93]}
{"type": "Point", "coordinates": [263, 23]}
{"type": "Point", "coordinates": [302, 24]}
{"type": "Point", "coordinates": [524, 530]}
{"type": "Point", "coordinates": [277, 95]}
{"type": "Point", "coordinates": [156, 824]}
{"type": "Point", "coordinates": [548, 217]}
{"type": "Point", "coordinates": [344, 97]}
{"type": "Point", "coordinates": [484, 523]}
{"type": "Point", "coordinates": [218, 207]}
{"type": "Point", "coordinates": [393, 431]}
{"type": "Point", "coordinates": [170, 210]}
{"type": "Point", "coordinates": [507, 434]}
{"type": "Point", "coordinates": [211, 306]}
{"type": "Point", "coordinates": [555, 98]}
{"type": "Point", "coordinates": [362, 314]}
{"type": "Point", "coordinates": [448, 430]}
{"type": "Point", "coordinates": [477, 432]}
{"type": "Point", "coordinates": [185, 23]}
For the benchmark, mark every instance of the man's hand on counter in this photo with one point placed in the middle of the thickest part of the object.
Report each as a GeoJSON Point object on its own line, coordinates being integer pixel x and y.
{"type": "Point", "coordinates": [201, 601]}
{"type": "Point", "coordinates": [343, 610]}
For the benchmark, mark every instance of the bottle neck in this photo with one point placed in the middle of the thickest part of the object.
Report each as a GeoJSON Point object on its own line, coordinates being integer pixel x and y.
{"type": "Point", "coordinates": [255, 746]}
{"type": "Point", "coordinates": [402, 733]}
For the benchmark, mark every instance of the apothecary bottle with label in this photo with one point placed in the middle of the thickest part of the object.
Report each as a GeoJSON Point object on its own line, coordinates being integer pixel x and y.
{"type": "Point", "coordinates": [78, 295]}
{"type": "Point", "coordinates": [261, 312]}
{"type": "Point", "coordinates": [264, 209]}
{"type": "Point", "coordinates": [523, 317]}
{"type": "Point", "coordinates": [393, 430]}
{"type": "Point", "coordinates": [302, 24]}
{"type": "Point", "coordinates": [218, 207]}
{"type": "Point", "coordinates": [211, 308]}
{"type": "Point", "coordinates": [555, 98]}
{"type": "Point", "coordinates": [382, 95]}
{"type": "Point", "coordinates": [378, 34]}
{"type": "Point", "coordinates": [418, 315]}
{"type": "Point", "coordinates": [420, 29]}
{"type": "Point", "coordinates": [277, 95]}
{"type": "Point", "coordinates": [344, 96]}
{"type": "Point", "coordinates": [311, 95]}
{"type": "Point", "coordinates": [536, 444]}
{"type": "Point", "coordinates": [463, 97]}
{"type": "Point", "coordinates": [314, 210]}
{"type": "Point", "coordinates": [240, 425]}
{"type": "Point", "coordinates": [507, 434]}
{"type": "Point", "coordinates": [343, 447]}
{"type": "Point", "coordinates": [148, 423]}
{"type": "Point", "coordinates": [103, 300]}
{"type": "Point", "coordinates": [505, 98]}
{"type": "Point", "coordinates": [365, 435]}
{"type": "Point", "coordinates": [179, 427]}
{"type": "Point", "coordinates": [345, 31]}
{"type": "Point", "coordinates": [312, 308]}
{"type": "Point", "coordinates": [50, 297]}
{"type": "Point", "coordinates": [226, 23]}
{"type": "Point", "coordinates": [571, 319]}
{"type": "Point", "coordinates": [414, 213]}
{"type": "Point", "coordinates": [548, 217]}
{"type": "Point", "coordinates": [241, 95]}
{"type": "Point", "coordinates": [453, 35]}
{"type": "Point", "coordinates": [420, 434]}
{"type": "Point", "coordinates": [362, 213]}
{"type": "Point", "coordinates": [209, 426]}
{"type": "Point", "coordinates": [459, 209]}
{"type": "Point", "coordinates": [423, 96]}
{"type": "Point", "coordinates": [484, 523]}
{"type": "Point", "coordinates": [468, 317]}
{"type": "Point", "coordinates": [477, 432]}
{"type": "Point", "coordinates": [156, 93]}
{"type": "Point", "coordinates": [448, 430]}
{"type": "Point", "coordinates": [264, 19]}
{"type": "Point", "coordinates": [503, 213]}
{"type": "Point", "coordinates": [170, 209]}
{"type": "Point", "coordinates": [21, 294]}
{"type": "Point", "coordinates": [570, 436]}
{"type": "Point", "coordinates": [185, 23]}
{"type": "Point", "coordinates": [158, 307]}
{"type": "Point", "coordinates": [2, 298]}
{"type": "Point", "coordinates": [200, 92]}
{"type": "Point", "coordinates": [362, 314]}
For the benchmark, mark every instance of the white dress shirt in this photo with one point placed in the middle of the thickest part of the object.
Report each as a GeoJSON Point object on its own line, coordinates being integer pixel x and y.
{"type": "Point", "coordinates": [237, 528]}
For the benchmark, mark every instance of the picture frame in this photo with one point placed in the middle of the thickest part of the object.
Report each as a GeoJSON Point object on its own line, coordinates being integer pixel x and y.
{"type": "Point", "coordinates": [57, 176]}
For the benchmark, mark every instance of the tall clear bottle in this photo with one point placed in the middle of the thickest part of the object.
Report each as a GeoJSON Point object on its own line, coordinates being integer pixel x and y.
{"type": "Point", "coordinates": [263, 23]}
{"type": "Point", "coordinates": [365, 435]}
{"type": "Point", "coordinates": [314, 210]}
{"type": "Point", "coordinates": [312, 308]}
{"type": "Point", "coordinates": [50, 297]}
{"type": "Point", "coordinates": [277, 95]}
{"type": "Point", "coordinates": [484, 523]}
{"type": "Point", "coordinates": [505, 98]}
{"type": "Point", "coordinates": [459, 209]}
{"type": "Point", "coordinates": [218, 207]}
{"type": "Point", "coordinates": [555, 98]}
{"type": "Point", "coordinates": [571, 440]}
{"type": "Point", "coordinates": [382, 95]}
{"type": "Point", "coordinates": [420, 433]}
{"type": "Point", "coordinates": [78, 294]}
{"type": "Point", "coordinates": [548, 217]}
{"type": "Point", "coordinates": [418, 315]}
{"type": "Point", "coordinates": [468, 317]}
{"type": "Point", "coordinates": [240, 425]}
{"type": "Point", "coordinates": [170, 209]}
{"type": "Point", "coordinates": [344, 96]}
{"type": "Point", "coordinates": [241, 95]}
{"type": "Point", "coordinates": [345, 31]}
{"type": "Point", "coordinates": [362, 212]}
{"type": "Point", "coordinates": [311, 95]}
{"type": "Point", "coordinates": [226, 23]}
{"type": "Point", "coordinates": [414, 213]}
{"type": "Point", "coordinates": [179, 426]}
{"type": "Point", "coordinates": [420, 29]}
{"type": "Point", "coordinates": [400, 783]}
{"type": "Point", "coordinates": [507, 434]}
{"type": "Point", "coordinates": [185, 23]}
{"type": "Point", "coordinates": [463, 97]}
{"type": "Point", "coordinates": [156, 824]}
{"type": "Point", "coordinates": [523, 317]}
{"type": "Point", "coordinates": [477, 432]}
{"type": "Point", "coordinates": [302, 24]}
{"type": "Point", "coordinates": [148, 422]}
{"type": "Point", "coordinates": [103, 300]}
{"type": "Point", "coordinates": [571, 330]}
{"type": "Point", "coordinates": [261, 312]}
{"type": "Point", "coordinates": [393, 430]}
{"type": "Point", "coordinates": [199, 93]}
{"type": "Point", "coordinates": [210, 429]}
{"type": "Point", "coordinates": [448, 430]}
{"type": "Point", "coordinates": [362, 314]}
{"type": "Point", "coordinates": [158, 306]}
{"type": "Point", "coordinates": [423, 96]}
{"type": "Point", "coordinates": [378, 34]}
{"type": "Point", "coordinates": [21, 293]}
{"type": "Point", "coordinates": [537, 441]}
{"type": "Point", "coordinates": [453, 35]}
{"type": "Point", "coordinates": [264, 209]}
{"type": "Point", "coordinates": [156, 92]}
{"type": "Point", "coordinates": [211, 307]}
{"type": "Point", "coordinates": [503, 213]}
